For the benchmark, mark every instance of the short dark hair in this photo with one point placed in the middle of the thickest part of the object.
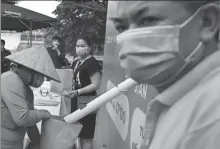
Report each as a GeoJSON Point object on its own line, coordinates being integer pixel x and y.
{"type": "Point", "coordinates": [2, 41]}
{"type": "Point", "coordinates": [86, 39]}
{"type": "Point", "coordinates": [57, 38]}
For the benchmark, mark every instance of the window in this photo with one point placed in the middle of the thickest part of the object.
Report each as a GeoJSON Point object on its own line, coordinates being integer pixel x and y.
{"type": "Point", "coordinates": [39, 38]}
{"type": "Point", "coordinates": [24, 37]}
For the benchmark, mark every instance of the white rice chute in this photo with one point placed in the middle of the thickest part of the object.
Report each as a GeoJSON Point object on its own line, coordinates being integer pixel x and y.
{"type": "Point", "coordinates": [101, 100]}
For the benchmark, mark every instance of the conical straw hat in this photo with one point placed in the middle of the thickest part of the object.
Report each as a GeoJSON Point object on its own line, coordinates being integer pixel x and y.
{"type": "Point", "coordinates": [37, 59]}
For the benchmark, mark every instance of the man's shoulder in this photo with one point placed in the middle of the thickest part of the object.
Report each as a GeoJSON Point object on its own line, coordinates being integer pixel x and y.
{"type": "Point", "coordinates": [210, 85]}
{"type": "Point", "coordinates": [50, 51]}
{"type": "Point", "coordinates": [205, 100]}
{"type": "Point", "coordinates": [8, 51]}
{"type": "Point", "coordinates": [49, 48]}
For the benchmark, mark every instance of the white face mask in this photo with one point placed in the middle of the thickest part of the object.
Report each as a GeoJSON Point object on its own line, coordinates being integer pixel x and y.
{"type": "Point", "coordinates": [82, 51]}
{"type": "Point", "coordinates": [149, 54]}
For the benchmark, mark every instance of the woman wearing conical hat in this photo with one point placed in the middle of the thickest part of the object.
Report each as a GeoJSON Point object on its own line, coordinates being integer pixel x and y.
{"type": "Point", "coordinates": [18, 115]}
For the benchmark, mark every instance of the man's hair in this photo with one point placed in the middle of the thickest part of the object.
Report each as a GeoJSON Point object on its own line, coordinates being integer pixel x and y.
{"type": "Point", "coordinates": [57, 38]}
{"type": "Point", "coordinates": [2, 41]}
{"type": "Point", "coordinates": [193, 6]}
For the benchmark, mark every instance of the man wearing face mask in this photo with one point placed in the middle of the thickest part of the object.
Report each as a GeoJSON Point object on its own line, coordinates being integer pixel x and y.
{"type": "Point", "coordinates": [172, 45]}
{"type": "Point", "coordinates": [18, 115]}
{"type": "Point", "coordinates": [57, 53]}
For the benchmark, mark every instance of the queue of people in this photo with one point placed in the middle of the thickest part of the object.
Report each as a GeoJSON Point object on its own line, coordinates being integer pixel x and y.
{"type": "Point", "coordinates": [18, 113]}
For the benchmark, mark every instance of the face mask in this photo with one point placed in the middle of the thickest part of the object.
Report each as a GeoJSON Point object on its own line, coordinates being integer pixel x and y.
{"type": "Point", "coordinates": [82, 51]}
{"type": "Point", "coordinates": [36, 80]}
{"type": "Point", "coordinates": [150, 54]}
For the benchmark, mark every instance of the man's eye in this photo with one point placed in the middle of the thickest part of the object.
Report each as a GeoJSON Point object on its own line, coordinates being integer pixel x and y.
{"type": "Point", "coordinates": [149, 21]}
{"type": "Point", "coordinates": [121, 28]}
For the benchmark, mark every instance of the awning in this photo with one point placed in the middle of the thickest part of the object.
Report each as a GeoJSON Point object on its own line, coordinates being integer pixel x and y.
{"type": "Point", "coordinates": [19, 19]}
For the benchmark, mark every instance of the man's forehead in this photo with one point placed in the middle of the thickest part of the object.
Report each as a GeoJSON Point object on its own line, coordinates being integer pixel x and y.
{"type": "Point", "coordinates": [129, 8]}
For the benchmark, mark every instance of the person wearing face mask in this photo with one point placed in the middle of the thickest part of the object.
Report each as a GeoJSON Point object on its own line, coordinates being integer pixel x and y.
{"type": "Point", "coordinates": [18, 116]}
{"type": "Point", "coordinates": [57, 53]}
{"type": "Point", "coordinates": [172, 46]}
{"type": "Point", "coordinates": [86, 78]}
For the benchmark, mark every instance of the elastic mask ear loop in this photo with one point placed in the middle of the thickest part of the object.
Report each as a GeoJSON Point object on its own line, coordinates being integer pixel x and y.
{"type": "Point", "coordinates": [191, 18]}
{"type": "Point", "coordinates": [188, 60]}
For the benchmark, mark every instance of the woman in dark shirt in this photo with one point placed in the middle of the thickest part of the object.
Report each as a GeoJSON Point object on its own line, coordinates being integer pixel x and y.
{"type": "Point", "coordinates": [87, 76]}
{"type": "Point", "coordinates": [57, 53]}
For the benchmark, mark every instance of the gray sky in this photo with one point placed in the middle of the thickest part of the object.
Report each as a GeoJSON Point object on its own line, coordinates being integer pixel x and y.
{"type": "Point", "coordinates": [44, 7]}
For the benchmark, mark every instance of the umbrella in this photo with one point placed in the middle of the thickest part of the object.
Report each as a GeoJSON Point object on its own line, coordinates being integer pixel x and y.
{"type": "Point", "coordinates": [19, 19]}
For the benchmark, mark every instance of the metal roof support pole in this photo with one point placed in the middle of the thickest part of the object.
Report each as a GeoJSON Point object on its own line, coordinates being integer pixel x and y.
{"type": "Point", "coordinates": [30, 31]}
{"type": "Point", "coordinates": [30, 35]}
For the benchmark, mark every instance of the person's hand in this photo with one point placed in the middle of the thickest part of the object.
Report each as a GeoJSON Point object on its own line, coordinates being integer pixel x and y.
{"type": "Point", "coordinates": [73, 93]}
{"type": "Point", "coordinates": [46, 114]}
{"type": "Point", "coordinates": [70, 94]}
{"type": "Point", "coordinates": [65, 93]}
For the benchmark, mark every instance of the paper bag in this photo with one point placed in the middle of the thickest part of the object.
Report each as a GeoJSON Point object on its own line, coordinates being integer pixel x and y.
{"type": "Point", "coordinates": [57, 134]}
{"type": "Point", "coordinates": [66, 78]}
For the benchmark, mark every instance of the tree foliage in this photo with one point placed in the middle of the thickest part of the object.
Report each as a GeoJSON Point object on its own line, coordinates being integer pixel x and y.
{"type": "Point", "coordinates": [81, 17]}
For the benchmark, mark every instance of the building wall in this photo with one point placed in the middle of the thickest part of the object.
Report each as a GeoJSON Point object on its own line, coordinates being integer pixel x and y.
{"type": "Point", "coordinates": [19, 41]}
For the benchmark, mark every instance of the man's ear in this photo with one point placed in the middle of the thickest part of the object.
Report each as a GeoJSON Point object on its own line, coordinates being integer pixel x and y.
{"type": "Point", "coordinates": [210, 21]}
